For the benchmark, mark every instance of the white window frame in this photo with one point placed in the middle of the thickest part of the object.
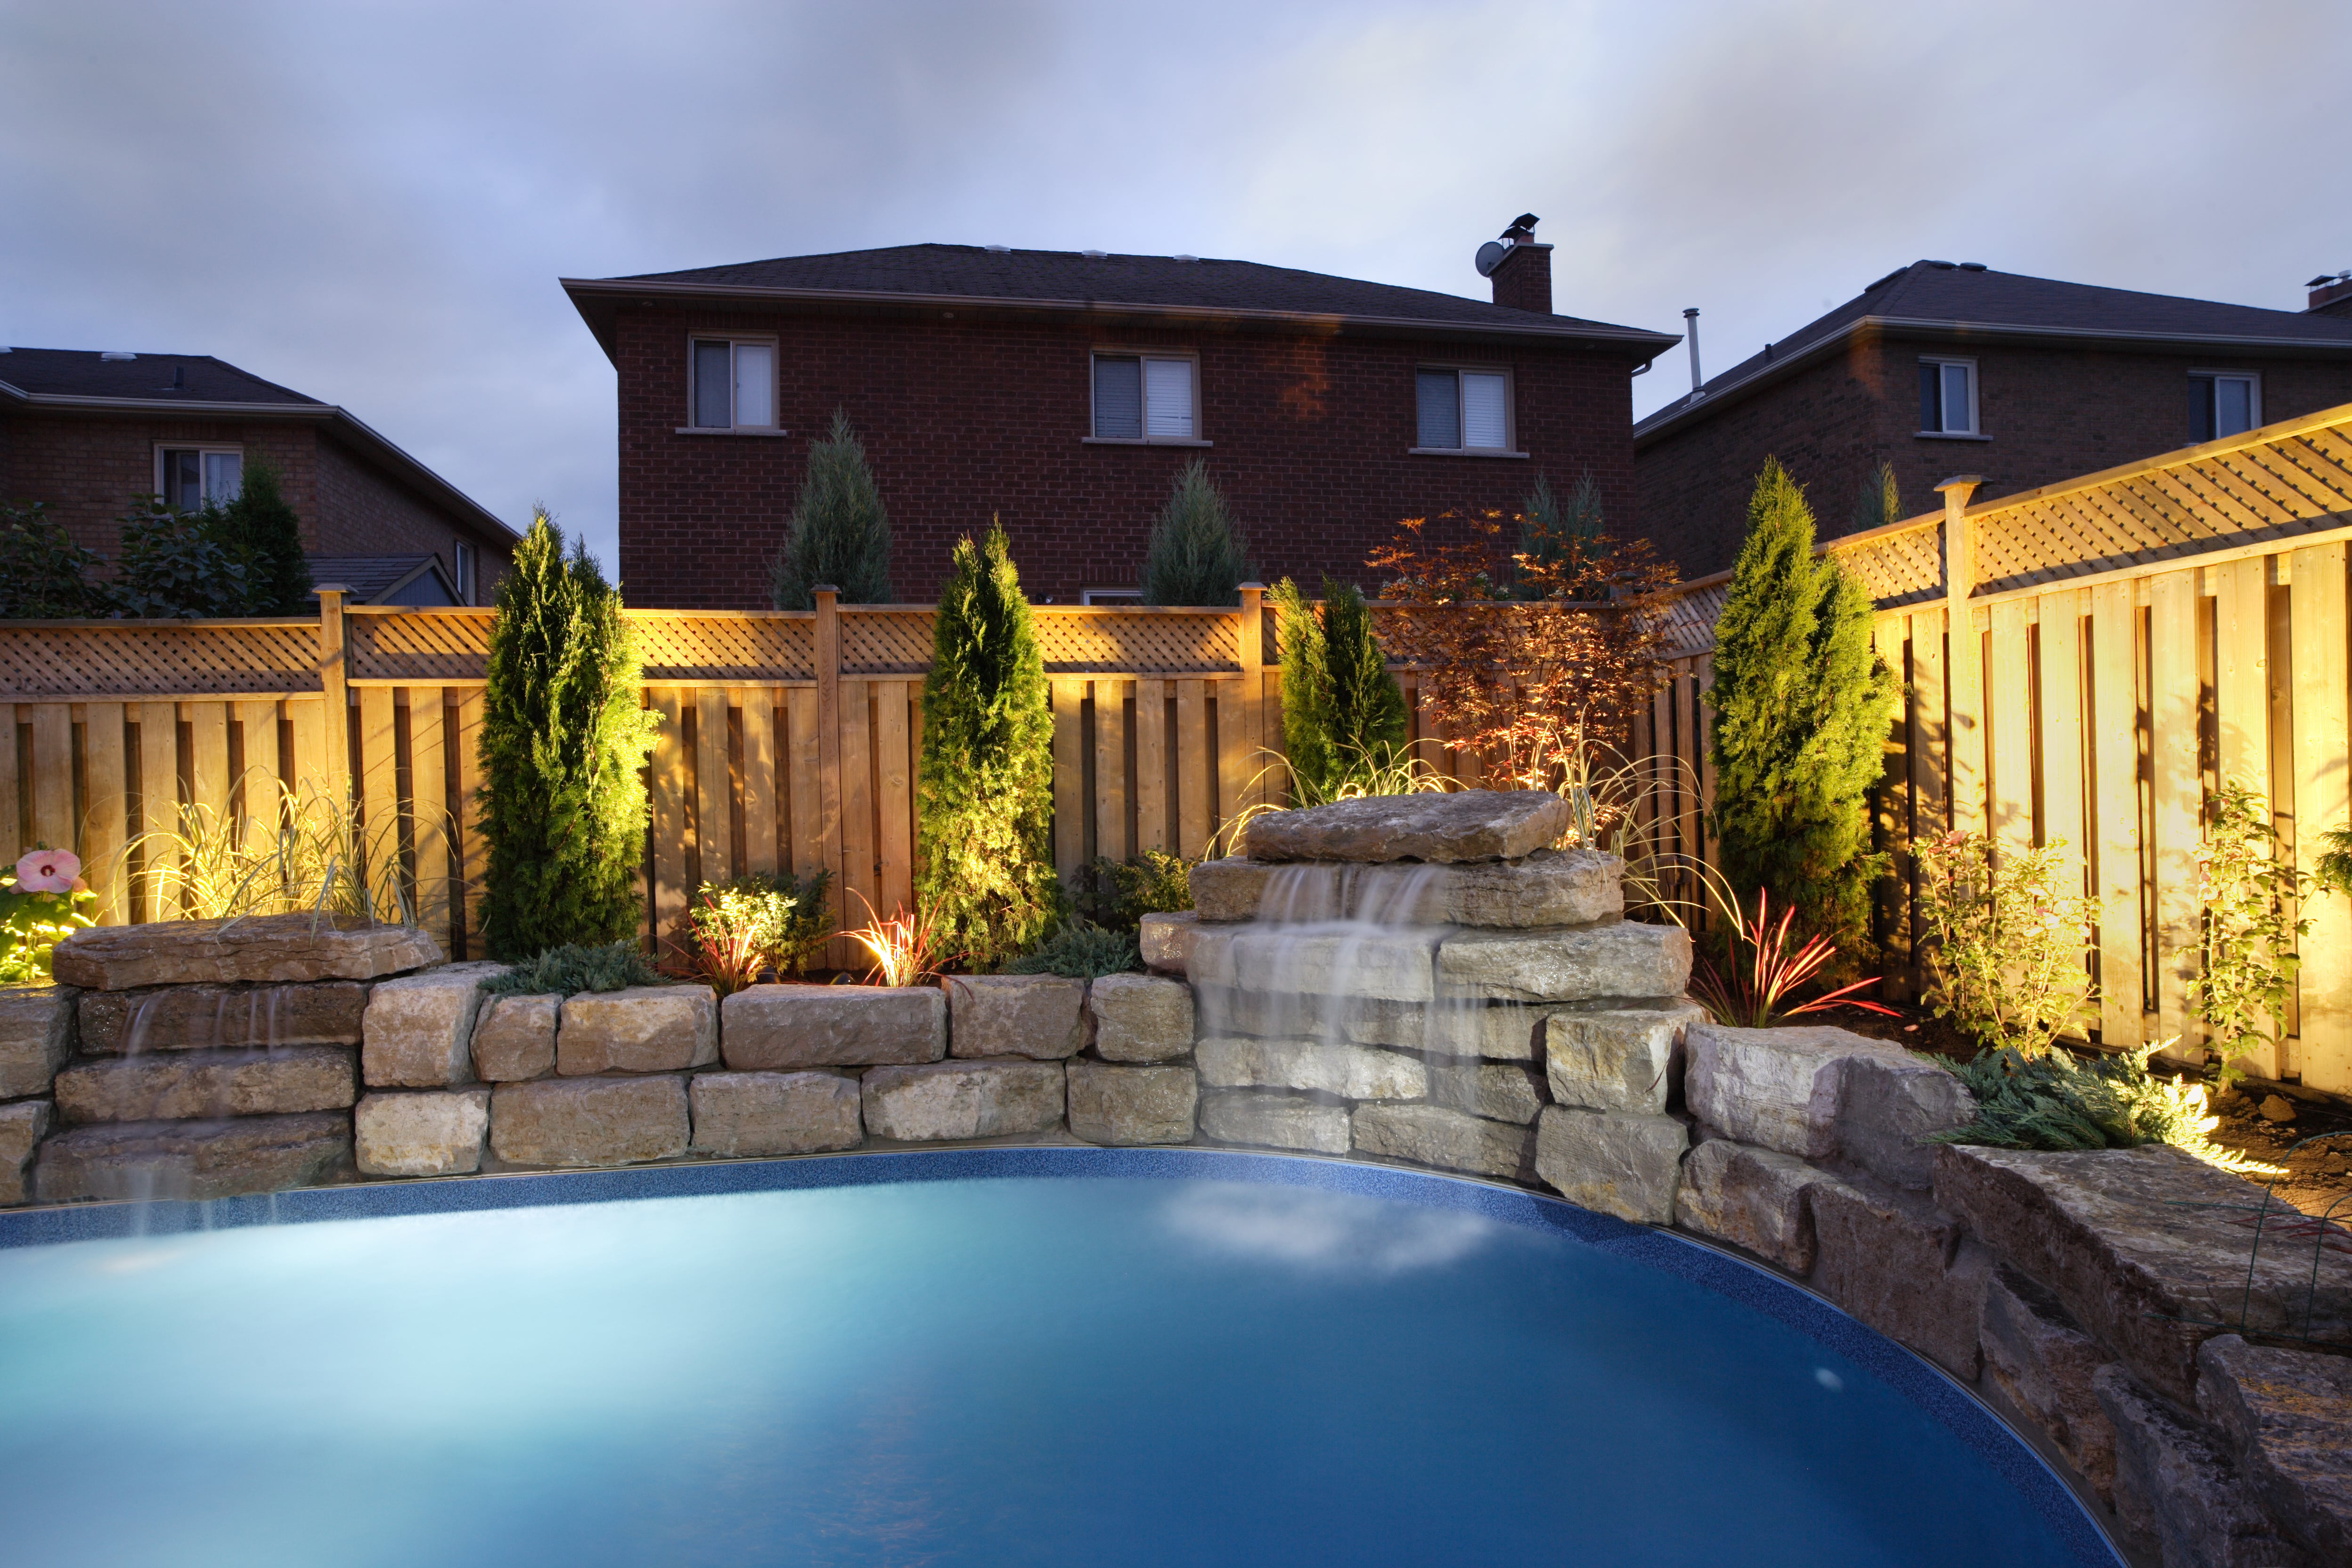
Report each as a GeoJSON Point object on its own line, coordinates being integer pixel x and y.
{"type": "Point", "coordinates": [2253, 394]}
{"type": "Point", "coordinates": [775, 384]}
{"type": "Point", "coordinates": [1975, 432]}
{"type": "Point", "coordinates": [464, 563]}
{"type": "Point", "coordinates": [1128, 350]}
{"type": "Point", "coordinates": [203, 452]}
{"type": "Point", "coordinates": [1129, 598]}
{"type": "Point", "coordinates": [1510, 447]}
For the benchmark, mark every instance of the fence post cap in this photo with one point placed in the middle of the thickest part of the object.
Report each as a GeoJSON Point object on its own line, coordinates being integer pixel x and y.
{"type": "Point", "coordinates": [1958, 480]}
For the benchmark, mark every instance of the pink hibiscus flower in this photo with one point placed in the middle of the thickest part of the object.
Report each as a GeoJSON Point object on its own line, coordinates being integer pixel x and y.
{"type": "Point", "coordinates": [47, 871]}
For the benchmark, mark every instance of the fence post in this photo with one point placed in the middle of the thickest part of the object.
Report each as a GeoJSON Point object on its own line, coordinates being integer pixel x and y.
{"type": "Point", "coordinates": [333, 691]}
{"type": "Point", "coordinates": [1964, 667]}
{"type": "Point", "coordinates": [1249, 647]}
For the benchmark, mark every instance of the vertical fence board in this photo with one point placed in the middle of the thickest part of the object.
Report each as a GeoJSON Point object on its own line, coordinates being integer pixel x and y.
{"type": "Point", "coordinates": [2322, 799]}
{"type": "Point", "coordinates": [804, 757]}
{"type": "Point", "coordinates": [310, 717]}
{"type": "Point", "coordinates": [758, 851]}
{"type": "Point", "coordinates": [428, 792]}
{"type": "Point", "coordinates": [2113, 721]}
{"type": "Point", "coordinates": [714, 805]}
{"type": "Point", "coordinates": [11, 800]}
{"type": "Point", "coordinates": [2174, 681]}
{"type": "Point", "coordinates": [53, 813]}
{"type": "Point", "coordinates": [2061, 663]}
{"type": "Point", "coordinates": [1068, 697]}
{"type": "Point", "coordinates": [2009, 746]}
{"type": "Point", "coordinates": [473, 850]}
{"type": "Point", "coordinates": [894, 786]}
{"type": "Point", "coordinates": [104, 781]}
{"type": "Point", "coordinates": [1193, 766]}
{"type": "Point", "coordinates": [159, 790]}
{"type": "Point", "coordinates": [1152, 765]}
{"type": "Point", "coordinates": [857, 830]}
{"type": "Point", "coordinates": [1110, 769]}
{"type": "Point", "coordinates": [1705, 679]}
{"type": "Point", "coordinates": [252, 795]}
{"type": "Point", "coordinates": [2242, 695]}
{"type": "Point", "coordinates": [379, 788]}
{"type": "Point", "coordinates": [665, 790]}
{"type": "Point", "coordinates": [1890, 636]}
{"type": "Point", "coordinates": [1233, 749]}
{"type": "Point", "coordinates": [1274, 758]}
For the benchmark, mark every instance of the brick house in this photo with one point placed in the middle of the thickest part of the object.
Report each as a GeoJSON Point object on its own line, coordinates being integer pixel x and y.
{"type": "Point", "coordinates": [1063, 391]}
{"type": "Point", "coordinates": [1943, 369]}
{"type": "Point", "coordinates": [86, 431]}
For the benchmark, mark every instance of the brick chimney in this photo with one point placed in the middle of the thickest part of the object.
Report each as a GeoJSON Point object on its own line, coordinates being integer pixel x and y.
{"type": "Point", "coordinates": [2329, 296]}
{"type": "Point", "coordinates": [1523, 278]}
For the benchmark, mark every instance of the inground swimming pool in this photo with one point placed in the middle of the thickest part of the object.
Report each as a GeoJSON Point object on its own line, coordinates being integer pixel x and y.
{"type": "Point", "coordinates": [1033, 1356]}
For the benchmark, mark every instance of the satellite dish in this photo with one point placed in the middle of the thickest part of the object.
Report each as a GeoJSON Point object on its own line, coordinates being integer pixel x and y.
{"type": "Point", "coordinates": [1490, 256]}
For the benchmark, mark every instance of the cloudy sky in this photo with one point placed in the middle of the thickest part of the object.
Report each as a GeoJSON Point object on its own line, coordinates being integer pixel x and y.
{"type": "Point", "coordinates": [371, 203]}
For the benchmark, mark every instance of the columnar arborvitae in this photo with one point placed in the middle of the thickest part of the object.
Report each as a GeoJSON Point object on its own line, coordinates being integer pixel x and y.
{"type": "Point", "coordinates": [259, 530]}
{"type": "Point", "coordinates": [1195, 556]}
{"type": "Point", "coordinates": [1802, 705]}
{"type": "Point", "coordinates": [1343, 714]}
{"type": "Point", "coordinates": [564, 735]}
{"type": "Point", "coordinates": [840, 530]}
{"type": "Point", "coordinates": [1551, 528]}
{"type": "Point", "coordinates": [1879, 502]}
{"type": "Point", "coordinates": [986, 881]}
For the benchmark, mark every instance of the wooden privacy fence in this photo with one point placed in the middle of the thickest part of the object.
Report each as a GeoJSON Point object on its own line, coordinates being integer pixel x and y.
{"type": "Point", "coordinates": [2127, 641]}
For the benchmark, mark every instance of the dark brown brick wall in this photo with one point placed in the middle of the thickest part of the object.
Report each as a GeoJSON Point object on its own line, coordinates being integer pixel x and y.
{"type": "Point", "coordinates": [89, 467]}
{"type": "Point", "coordinates": [961, 421]}
{"type": "Point", "coordinates": [2049, 414]}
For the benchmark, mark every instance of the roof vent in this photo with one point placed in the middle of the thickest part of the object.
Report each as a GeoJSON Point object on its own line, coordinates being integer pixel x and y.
{"type": "Point", "coordinates": [999, 250]}
{"type": "Point", "coordinates": [1972, 266]}
{"type": "Point", "coordinates": [1183, 257]}
{"type": "Point", "coordinates": [117, 353]}
{"type": "Point", "coordinates": [1947, 265]}
{"type": "Point", "coordinates": [1094, 254]}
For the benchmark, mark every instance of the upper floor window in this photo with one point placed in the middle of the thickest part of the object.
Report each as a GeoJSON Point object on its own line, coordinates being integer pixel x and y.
{"type": "Point", "coordinates": [1146, 398]}
{"type": "Point", "coordinates": [734, 383]}
{"type": "Point", "coordinates": [188, 476]}
{"type": "Point", "coordinates": [1462, 411]}
{"type": "Point", "coordinates": [2224, 403]}
{"type": "Point", "coordinates": [462, 558]}
{"type": "Point", "coordinates": [1948, 397]}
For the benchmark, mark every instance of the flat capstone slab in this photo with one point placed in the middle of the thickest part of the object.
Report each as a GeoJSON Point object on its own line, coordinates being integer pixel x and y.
{"type": "Point", "coordinates": [1576, 964]}
{"type": "Point", "coordinates": [588, 1121]}
{"type": "Point", "coordinates": [222, 1017]}
{"type": "Point", "coordinates": [2149, 1249]}
{"type": "Point", "coordinates": [36, 1036]}
{"type": "Point", "coordinates": [199, 1085]}
{"type": "Point", "coordinates": [1445, 830]}
{"type": "Point", "coordinates": [775, 1028]}
{"type": "Point", "coordinates": [258, 948]}
{"type": "Point", "coordinates": [1549, 888]}
{"type": "Point", "coordinates": [191, 1160]}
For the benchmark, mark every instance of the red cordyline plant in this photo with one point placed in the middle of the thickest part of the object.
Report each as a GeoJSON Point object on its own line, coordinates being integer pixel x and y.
{"type": "Point", "coordinates": [1758, 987]}
{"type": "Point", "coordinates": [905, 947]}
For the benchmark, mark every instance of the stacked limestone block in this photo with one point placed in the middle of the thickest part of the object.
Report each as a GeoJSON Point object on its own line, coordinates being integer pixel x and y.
{"type": "Point", "coordinates": [794, 1056]}
{"type": "Point", "coordinates": [1422, 978]}
{"type": "Point", "coordinates": [213, 1057]}
{"type": "Point", "coordinates": [37, 1038]}
{"type": "Point", "coordinates": [595, 1079]}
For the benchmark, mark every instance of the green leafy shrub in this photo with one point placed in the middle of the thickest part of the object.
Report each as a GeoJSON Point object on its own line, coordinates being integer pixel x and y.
{"type": "Point", "coordinates": [576, 967]}
{"type": "Point", "coordinates": [1801, 702]}
{"type": "Point", "coordinates": [986, 883]}
{"type": "Point", "coordinates": [563, 738]}
{"type": "Point", "coordinates": [1081, 953]}
{"type": "Point", "coordinates": [1343, 715]}
{"type": "Point", "coordinates": [261, 534]}
{"type": "Point", "coordinates": [1119, 893]}
{"type": "Point", "coordinates": [2053, 1102]}
{"type": "Point", "coordinates": [2249, 888]}
{"type": "Point", "coordinates": [2005, 941]}
{"type": "Point", "coordinates": [44, 575]}
{"type": "Point", "coordinates": [175, 565]}
{"type": "Point", "coordinates": [762, 922]}
{"type": "Point", "coordinates": [840, 531]}
{"type": "Point", "coordinates": [43, 901]}
{"type": "Point", "coordinates": [1195, 555]}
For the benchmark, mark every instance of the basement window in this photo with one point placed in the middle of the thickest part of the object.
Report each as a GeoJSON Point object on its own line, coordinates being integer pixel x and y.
{"type": "Point", "coordinates": [1147, 397]}
{"type": "Point", "coordinates": [1459, 409]}
{"type": "Point", "coordinates": [1948, 397]}
{"type": "Point", "coordinates": [2224, 403]}
{"type": "Point", "coordinates": [188, 476]}
{"type": "Point", "coordinates": [734, 383]}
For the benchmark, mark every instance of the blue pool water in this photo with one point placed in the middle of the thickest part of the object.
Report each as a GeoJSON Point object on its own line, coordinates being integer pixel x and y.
{"type": "Point", "coordinates": [1098, 1362]}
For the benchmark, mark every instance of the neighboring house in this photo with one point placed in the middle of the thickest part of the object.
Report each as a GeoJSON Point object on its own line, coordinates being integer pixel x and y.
{"type": "Point", "coordinates": [86, 431]}
{"type": "Point", "coordinates": [1943, 369]}
{"type": "Point", "coordinates": [1063, 391]}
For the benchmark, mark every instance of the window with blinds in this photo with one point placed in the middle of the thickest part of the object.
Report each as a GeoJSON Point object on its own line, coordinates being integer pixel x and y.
{"type": "Point", "coordinates": [1948, 397]}
{"type": "Point", "coordinates": [1145, 397]}
{"type": "Point", "coordinates": [734, 383]}
{"type": "Point", "coordinates": [191, 476]}
{"type": "Point", "coordinates": [1462, 411]}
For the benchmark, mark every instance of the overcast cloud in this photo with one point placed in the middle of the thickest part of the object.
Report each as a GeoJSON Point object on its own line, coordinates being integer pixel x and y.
{"type": "Point", "coordinates": [371, 203]}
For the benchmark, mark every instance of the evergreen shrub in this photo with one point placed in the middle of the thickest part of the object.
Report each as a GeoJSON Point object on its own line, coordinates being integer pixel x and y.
{"type": "Point", "coordinates": [563, 738]}
{"type": "Point", "coordinates": [574, 967]}
{"type": "Point", "coordinates": [986, 884]}
{"type": "Point", "coordinates": [1343, 715]}
{"type": "Point", "coordinates": [1195, 556]}
{"type": "Point", "coordinates": [176, 566]}
{"type": "Point", "coordinates": [1802, 703]}
{"type": "Point", "coordinates": [1081, 953]}
{"type": "Point", "coordinates": [1879, 502]}
{"type": "Point", "coordinates": [44, 575]}
{"type": "Point", "coordinates": [260, 532]}
{"type": "Point", "coordinates": [840, 530]}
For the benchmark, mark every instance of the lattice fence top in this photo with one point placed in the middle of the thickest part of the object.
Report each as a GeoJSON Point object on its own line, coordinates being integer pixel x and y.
{"type": "Point", "coordinates": [886, 641]}
{"type": "Point", "coordinates": [714, 650]}
{"type": "Point", "coordinates": [1898, 568]}
{"type": "Point", "coordinates": [44, 661]}
{"type": "Point", "coordinates": [424, 647]}
{"type": "Point", "coordinates": [1140, 642]}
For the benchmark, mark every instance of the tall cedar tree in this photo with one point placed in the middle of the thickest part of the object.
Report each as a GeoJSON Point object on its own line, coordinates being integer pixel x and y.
{"type": "Point", "coordinates": [840, 531]}
{"type": "Point", "coordinates": [1801, 700]}
{"type": "Point", "coordinates": [563, 738]}
{"type": "Point", "coordinates": [261, 534]}
{"type": "Point", "coordinates": [1879, 502]}
{"type": "Point", "coordinates": [987, 879]}
{"type": "Point", "coordinates": [1343, 712]}
{"type": "Point", "coordinates": [1195, 556]}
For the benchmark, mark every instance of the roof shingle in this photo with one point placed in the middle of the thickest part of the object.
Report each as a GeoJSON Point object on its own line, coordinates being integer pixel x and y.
{"type": "Point", "coordinates": [87, 372]}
